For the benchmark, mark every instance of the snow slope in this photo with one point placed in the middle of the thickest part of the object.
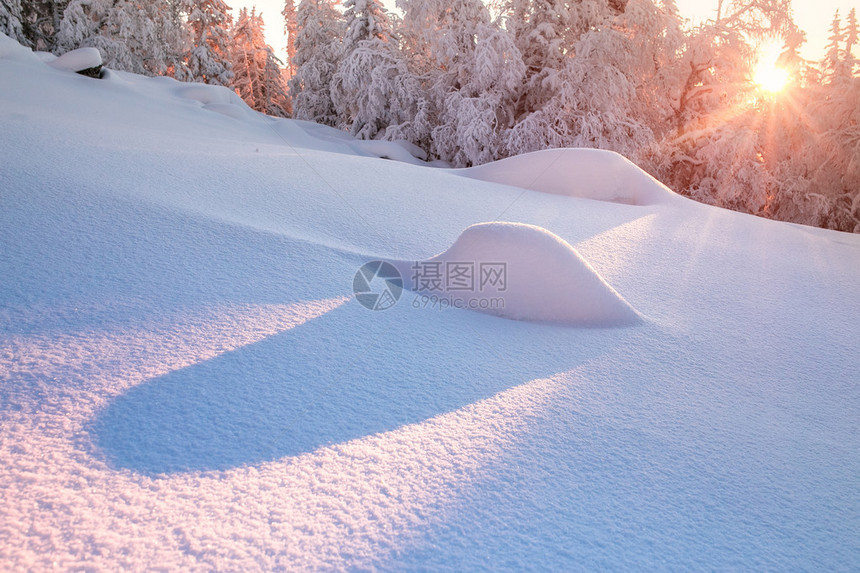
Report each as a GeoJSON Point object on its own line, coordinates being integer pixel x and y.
{"type": "Point", "coordinates": [186, 381]}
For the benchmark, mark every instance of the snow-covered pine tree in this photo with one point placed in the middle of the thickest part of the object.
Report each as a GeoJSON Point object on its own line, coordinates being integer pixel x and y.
{"type": "Point", "coordinates": [831, 161]}
{"type": "Point", "coordinates": [591, 105]}
{"type": "Point", "coordinates": [105, 25]}
{"type": "Point", "coordinates": [376, 96]}
{"type": "Point", "coordinates": [41, 21]}
{"type": "Point", "coordinates": [834, 61]}
{"type": "Point", "coordinates": [277, 99]}
{"type": "Point", "coordinates": [257, 76]}
{"type": "Point", "coordinates": [248, 67]}
{"type": "Point", "coordinates": [814, 154]}
{"type": "Point", "coordinates": [851, 38]}
{"type": "Point", "coordinates": [713, 102]}
{"type": "Point", "coordinates": [791, 60]}
{"type": "Point", "coordinates": [82, 20]}
{"type": "Point", "coordinates": [11, 16]}
{"type": "Point", "coordinates": [475, 118]}
{"type": "Point", "coordinates": [614, 77]}
{"type": "Point", "coordinates": [371, 88]}
{"type": "Point", "coordinates": [144, 37]}
{"type": "Point", "coordinates": [654, 31]}
{"type": "Point", "coordinates": [470, 70]}
{"type": "Point", "coordinates": [839, 59]}
{"type": "Point", "coordinates": [540, 29]}
{"type": "Point", "coordinates": [290, 30]}
{"type": "Point", "coordinates": [440, 34]}
{"type": "Point", "coordinates": [318, 48]}
{"type": "Point", "coordinates": [364, 20]}
{"type": "Point", "coordinates": [209, 60]}
{"type": "Point", "coordinates": [172, 29]}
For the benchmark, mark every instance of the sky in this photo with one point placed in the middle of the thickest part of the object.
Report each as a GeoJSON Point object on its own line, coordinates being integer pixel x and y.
{"type": "Point", "coordinates": [813, 16]}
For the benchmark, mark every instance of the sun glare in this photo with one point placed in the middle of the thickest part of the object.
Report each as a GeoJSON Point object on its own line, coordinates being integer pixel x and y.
{"type": "Point", "coordinates": [769, 76]}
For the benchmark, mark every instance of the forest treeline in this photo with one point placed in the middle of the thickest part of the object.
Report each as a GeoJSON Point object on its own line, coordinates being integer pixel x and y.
{"type": "Point", "coordinates": [471, 82]}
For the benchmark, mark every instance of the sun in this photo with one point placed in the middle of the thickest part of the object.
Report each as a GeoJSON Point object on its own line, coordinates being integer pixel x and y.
{"type": "Point", "coordinates": [771, 79]}
{"type": "Point", "coordinates": [769, 76]}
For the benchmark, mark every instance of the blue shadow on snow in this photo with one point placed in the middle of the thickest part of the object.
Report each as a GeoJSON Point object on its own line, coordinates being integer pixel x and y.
{"type": "Point", "coordinates": [345, 375]}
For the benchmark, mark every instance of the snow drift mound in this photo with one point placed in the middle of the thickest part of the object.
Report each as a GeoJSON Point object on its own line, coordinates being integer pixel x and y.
{"type": "Point", "coordinates": [396, 150]}
{"type": "Point", "coordinates": [533, 275]}
{"type": "Point", "coordinates": [586, 173]}
{"type": "Point", "coordinates": [78, 60]}
{"type": "Point", "coordinates": [215, 98]}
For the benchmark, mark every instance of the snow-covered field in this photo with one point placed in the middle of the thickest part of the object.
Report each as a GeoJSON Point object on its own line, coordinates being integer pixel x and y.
{"type": "Point", "coordinates": [187, 381]}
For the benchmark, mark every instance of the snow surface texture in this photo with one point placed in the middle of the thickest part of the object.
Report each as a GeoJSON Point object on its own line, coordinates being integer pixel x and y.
{"type": "Point", "coordinates": [77, 60]}
{"type": "Point", "coordinates": [546, 279]}
{"type": "Point", "coordinates": [587, 173]}
{"type": "Point", "coordinates": [186, 384]}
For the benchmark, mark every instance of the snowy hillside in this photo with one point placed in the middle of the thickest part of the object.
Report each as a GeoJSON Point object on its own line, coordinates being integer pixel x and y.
{"type": "Point", "coordinates": [189, 381]}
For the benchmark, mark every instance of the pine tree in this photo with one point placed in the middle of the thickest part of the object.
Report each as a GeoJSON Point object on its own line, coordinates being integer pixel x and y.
{"type": "Point", "coordinates": [375, 94]}
{"type": "Point", "coordinates": [146, 37]}
{"type": "Point", "coordinates": [318, 48]}
{"type": "Point", "coordinates": [474, 119]}
{"type": "Point", "coordinates": [834, 63]}
{"type": "Point", "coordinates": [80, 21]}
{"type": "Point", "coordinates": [851, 41]}
{"type": "Point", "coordinates": [11, 16]}
{"type": "Point", "coordinates": [614, 66]}
{"type": "Point", "coordinates": [715, 152]}
{"type": "Point", "coordinates": [245, 43]}
{"type": "Point", "coordinates": [839, 60]}
{"type": "Point", "coordinates": [209, 60]}
{"type": "Point", "coordinates": [470, 71]}
{"type": "Point", "coordinates": [257, 76]}
{"type": "Point", "coordinates": [540, 29]}
{"type": "Point", "coordinates": [439, 35]}
{"type": "Point", "coordinates": [365, 20]}
{"type": "Point", "coordinates": [276, 91]}
{"type": "Point", "coordinates": [366, 87]}
{"type": "Point", "coordinates": [290, 30]}
{"type": "Point", "coordinates": [41, 21]}
{"type": "Point", "coordinates": [831, 160]}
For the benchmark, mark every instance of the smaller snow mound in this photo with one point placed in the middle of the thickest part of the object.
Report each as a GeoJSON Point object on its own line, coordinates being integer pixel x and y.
{"type": "Point", "coordinates": [215, 98]}
{"type": "Point", "coordinates": [78, 60]}
{"type": "Point", "coordinates": [228, 109]}
{"type": "Point", "coordinates": [385, 150]}
{"type": "Point", "coordinates": [413, 149]}
{"type": "Point", "coordinates": [538, 277]}
{"type": "Point", "coordinates": [206, 94]}
{"type": "Point", "coordinates": [585, 173]}
{"type": "Point", "coordinates": [322, 132]}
